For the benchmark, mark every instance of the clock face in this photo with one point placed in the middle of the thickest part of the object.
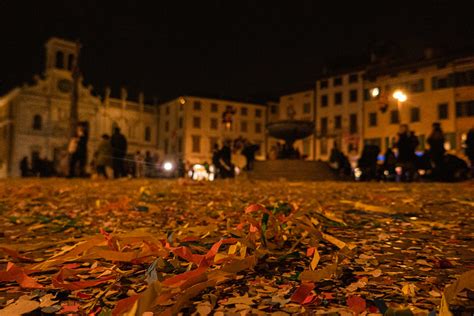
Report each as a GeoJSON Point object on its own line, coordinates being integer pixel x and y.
{"type": "Point", "coordinates": [64, 85]}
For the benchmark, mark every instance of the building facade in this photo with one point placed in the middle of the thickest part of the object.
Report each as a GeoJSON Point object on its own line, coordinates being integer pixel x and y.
{"type": "Point", "coordinates": [34, 119]}
{"type": "Point", "coordinates": [436, 89]}
{"type": "Point", "coordinates": [339, 107]}
{"type": "Point", "coordinates": [190, 126]}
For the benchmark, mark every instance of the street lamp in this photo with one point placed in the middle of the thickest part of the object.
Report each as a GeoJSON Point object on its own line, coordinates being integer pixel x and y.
{"type": "Point", "coordinates": [400, 96]}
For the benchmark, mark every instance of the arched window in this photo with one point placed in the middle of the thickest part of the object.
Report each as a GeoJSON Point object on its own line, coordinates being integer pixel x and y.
{"type": "Point", "coordinates": [70, 61]}
{"type": "Point", "coordinates": [59, 60]}
{"type": "Point", "coordinates": [37, 122]}
{"type": "Point", "coordinates": [147, 134]}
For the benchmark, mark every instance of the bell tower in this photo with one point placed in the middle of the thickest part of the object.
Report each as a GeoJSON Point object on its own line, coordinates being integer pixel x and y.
{"type": "Point", "coordinates": [61, 55]}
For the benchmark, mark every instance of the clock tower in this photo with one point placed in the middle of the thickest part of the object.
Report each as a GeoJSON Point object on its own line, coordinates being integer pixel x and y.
{"type": "Point", "coordinates": [61, 56]}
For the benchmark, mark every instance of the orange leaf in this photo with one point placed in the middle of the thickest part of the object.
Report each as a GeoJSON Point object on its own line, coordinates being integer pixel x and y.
{"type": "Point", "coordinates": [302, 293]}
{"type": "Point", "coordinates": [254, 208]}
{"type": "Point", "coordinates": [20, 275]}
{"type": "Point", "coordinates": [124, 305]}
{"type": "Point", "coordinates": [356, 303]}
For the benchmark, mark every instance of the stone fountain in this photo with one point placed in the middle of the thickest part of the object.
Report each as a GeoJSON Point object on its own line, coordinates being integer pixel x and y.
{"type": "Point", "coordinates": [288, 166]}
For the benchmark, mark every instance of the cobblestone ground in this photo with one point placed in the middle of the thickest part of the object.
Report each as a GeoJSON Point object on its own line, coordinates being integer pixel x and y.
{"type": "Point", "coordinates": [233, 247]}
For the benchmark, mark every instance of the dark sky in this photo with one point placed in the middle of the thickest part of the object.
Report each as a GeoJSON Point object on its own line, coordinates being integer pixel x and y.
{"type": "Point", "coordinates": [232, 48]}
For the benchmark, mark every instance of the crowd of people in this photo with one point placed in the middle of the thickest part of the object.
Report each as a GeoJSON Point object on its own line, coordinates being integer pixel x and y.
{"type": "Point", "coordinates": [402, 162]}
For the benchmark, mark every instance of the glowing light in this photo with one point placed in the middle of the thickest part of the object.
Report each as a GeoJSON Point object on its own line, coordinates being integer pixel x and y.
{"type": "Point", "coordinates": [357, 173]}
{"type": "Point", "coordinates": [182, 100]}
{"type": "Point", "coordinates": [400, 96]}
{"type": "Point", "coordinates": [168, 166]}
{"type": "Point", "coordinates": [375, 92]}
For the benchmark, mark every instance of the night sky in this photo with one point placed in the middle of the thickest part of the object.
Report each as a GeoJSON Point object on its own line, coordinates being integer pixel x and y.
{"type": "Point", "coordinates": [239, 49]}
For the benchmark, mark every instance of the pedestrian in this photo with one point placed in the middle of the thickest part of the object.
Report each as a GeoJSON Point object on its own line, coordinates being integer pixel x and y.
{"type": "Point", "coordinates": [78, 152]}
{"type": "Point", "coordinates": [249, 151]}
{"type": "Point", "coordinates": [119, 151]}
{"type": "Point", "coordinates": [215, 161]}
{"type": "Point", "coordinates": [24, 167]}
{"type": "Point", "coordinates": [225, 161]}
{"type": "Point", "coordinates": [139, 160]}
{"type": "Point", "coordinates": [436, 142]}
{"type": "Point", "coordinates": [103, 156]}
{"type": "Point", "coordinates": [149, 165]}
{"type": "Point", "coordinates": [470, 148]}
{"type": "Point", "coordinates": [406, 144]}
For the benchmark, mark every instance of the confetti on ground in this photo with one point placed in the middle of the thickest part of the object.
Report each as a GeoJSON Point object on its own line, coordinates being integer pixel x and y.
{"type": "Point", "coordinates": [128, 247]}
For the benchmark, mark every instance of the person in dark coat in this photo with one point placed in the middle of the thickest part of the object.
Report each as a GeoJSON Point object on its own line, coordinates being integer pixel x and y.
{"type": "Point", "coordinates": [215, 160]}
{"type": "Point", "coordinates": [119, 150]}
{"type": "Point", "coordinates": [24, 167]}
{"type": "Point", "coordinates": [406, 144]}
{"type": "Point", "coordinates": [225, 161]}
{"type": "Point", "coordinates": [103, 156]}
{"type": "Point", "coordinates": [78, 152]}
{"type": "Point", "coordinates": [249, 152]}
{"type": "Point", "coordinates": [436, 142]}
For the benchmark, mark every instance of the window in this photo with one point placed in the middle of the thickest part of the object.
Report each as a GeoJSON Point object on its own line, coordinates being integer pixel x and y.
{"type": "Point", "coordinates": [337, 81]}
{"type": "Point", "coordinates": [213, 142]}
{"type": "Point", "coordinates": [465, 108]}
{"type": "Point", "coordinates": [37, 122]}
{"type": "Point", "coordinates": [323, 146]}
{"type": "Point", "coordinates": [324, 126]}
{"type": "Point", "coordinates": [258, 128]}
{"type": "Point", "coordinates": [180, 122]}
{"type": "Point", "coordinates": [338, 122]}
{"type": "Point", "coordinates": [196, 122]}
{"type": "Point", "coordinates": [196, 142]}
{"type": "Point", "coordinates": [353, 123]}
{"type": "Point", "coordinates": [306, 108]}
{"type": "Point", "coordinates": [416, 86]}
{"type": "Point", "coordinates": [214, 123]}
{"type": "Point", "coordinates": [323, 84]}
{"type": "Point", "coordinates": [353, 78]}
{"type": "Point", "coordinates": [147, 133]}
{"type": "Point", "coordinates": [60, 60]}
{"type": "Point", "coordinates": [167, 126]}
{"type": "Point", "coordinates": [324, 100]}
{"type": "Point", "coordinates": [197, 105]}
{"type": "Point", "coordinates": [414, 114]}
{"type": "Point", "coordinates": [167, 110]}
{"type": "Point", "coordinates": [274, 109]}
{"type": "Point", "coordinates": [258, 113]}
{"type": "Point", "coordinates": [394, 117]}
{"type": "Point", "coordinates": [439, 82]}
{"type": "Point", "coordinates": [338, 98]}
{"type": "Point", "coordinates": [442, 111]}
{"type": "Point", "coordinates": [214, 107]}
{"type": "Point", "coordinates": [353, 95]}
{"type": "Point", "coordinates": [243, 111]}
{"type": "Point", "coordinates": [243, 127]}
{"type": "Point", "coordinates": [373, 119]}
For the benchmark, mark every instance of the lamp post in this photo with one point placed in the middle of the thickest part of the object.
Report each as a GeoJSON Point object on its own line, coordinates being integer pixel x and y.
{"type": "Point", "coordinates": [401, 97]}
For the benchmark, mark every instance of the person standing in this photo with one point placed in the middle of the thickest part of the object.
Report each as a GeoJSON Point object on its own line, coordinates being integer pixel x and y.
{"type": "Point", "coordinates": [148, 164]}
{"type": "Point", "coordinates": [139, 164]}
{"type": "Point", "coordinates": [24, 167]}
{"type": "Point", "coordinates": [103, 156]}
{"type": "Point", "coordinates": [78, 152]}
{"type": "Point", "coordinates": [436, 142]}
{"type": "Point", "coordinates": [406, 144]}
{"type": "Point", "coordinates": [225, 161]}
{"type": "Point", "coordinates": [119, 150]}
